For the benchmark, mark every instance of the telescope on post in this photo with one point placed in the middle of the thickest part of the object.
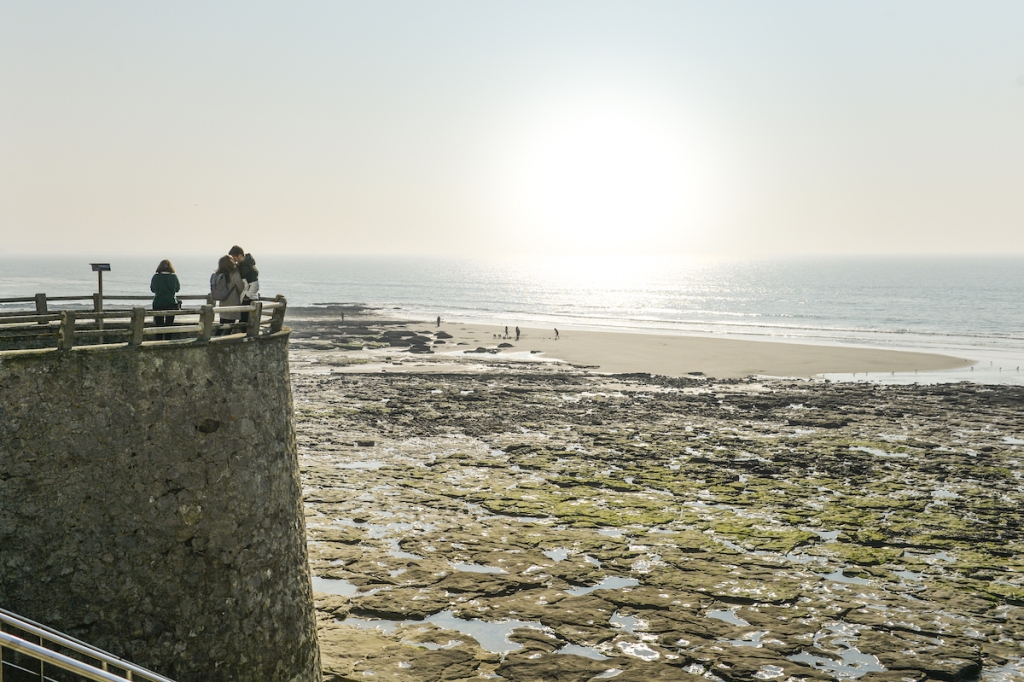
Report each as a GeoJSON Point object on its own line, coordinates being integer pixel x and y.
{"type": "Point", "coordinates": [99, 269]}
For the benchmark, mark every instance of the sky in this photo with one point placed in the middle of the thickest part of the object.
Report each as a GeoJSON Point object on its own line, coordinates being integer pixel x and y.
{"type": "Point", "coordinates": [489, 128]}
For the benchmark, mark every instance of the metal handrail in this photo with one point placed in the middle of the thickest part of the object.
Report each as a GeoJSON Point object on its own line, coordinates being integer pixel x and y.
{"type": "Point", "coordinates": [49, 635]}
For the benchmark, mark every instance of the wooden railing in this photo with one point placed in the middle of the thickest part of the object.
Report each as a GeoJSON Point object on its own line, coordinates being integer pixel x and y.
{"type": "Point", "coordinates": [68, 328]}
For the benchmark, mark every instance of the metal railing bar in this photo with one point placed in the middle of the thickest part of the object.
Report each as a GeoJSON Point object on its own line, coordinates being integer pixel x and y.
{"type": "Point", "coordinates": [60, 660]}
{"type": "Point", "coordinates": [77, 645]}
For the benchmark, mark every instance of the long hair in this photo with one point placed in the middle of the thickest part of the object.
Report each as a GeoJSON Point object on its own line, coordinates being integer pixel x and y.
{"type": "Point", "coordinates": [165, 266]}
{"type": "Point", "coordinates": [226, 265]}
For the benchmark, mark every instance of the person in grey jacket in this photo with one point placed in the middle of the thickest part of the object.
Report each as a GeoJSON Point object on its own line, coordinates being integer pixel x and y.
{"type": "Point", "coordinates": [226, 285]}
{"type": "Point", "coordinates": [250, 275]}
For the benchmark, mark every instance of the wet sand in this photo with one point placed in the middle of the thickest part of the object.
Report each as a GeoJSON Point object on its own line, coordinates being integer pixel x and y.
{"type": "Point", "coordinates": [401, 345]}
{"type": "Point", "coordinates": [676, 356]}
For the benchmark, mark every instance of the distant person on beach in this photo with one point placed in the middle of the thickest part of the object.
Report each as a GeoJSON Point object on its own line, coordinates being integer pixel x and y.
{"type": "Point", "coordinates": [226, 286]}
{"type": "Point", "coordinates": [164, 286]}
{"type": "Point", "coordinates": [556, 334]}
{"type": "Point", "coordinates": [438, 320]}
{"type": "Point", "coordinates": [517, 333]}
{"type": "Point", "coordinates": [506, 331]}
{"type": "Point", "coordinates": [250, 276]}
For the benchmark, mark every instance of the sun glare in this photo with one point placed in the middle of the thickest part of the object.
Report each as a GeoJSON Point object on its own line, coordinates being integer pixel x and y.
{"type": "Point", "coordinates": [602, 180]}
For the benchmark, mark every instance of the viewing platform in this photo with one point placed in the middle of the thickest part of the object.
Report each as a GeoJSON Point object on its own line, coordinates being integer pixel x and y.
{"type": "Point", "coordinates": [150, 497]}
{"type": "Point", "coordinates": [67, 322]}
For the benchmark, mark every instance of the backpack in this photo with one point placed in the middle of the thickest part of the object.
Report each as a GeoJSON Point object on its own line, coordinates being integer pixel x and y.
{"type": "Point", "coordinates": [219, 286]}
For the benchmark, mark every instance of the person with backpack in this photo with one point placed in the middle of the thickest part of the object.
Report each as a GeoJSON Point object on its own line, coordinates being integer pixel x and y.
{"type": "Point", "coordinates": [226, 287]}
{"type": "Point", "coordinates": [250, 275]}
{"type": "Point", "coordinates": [165, 286]}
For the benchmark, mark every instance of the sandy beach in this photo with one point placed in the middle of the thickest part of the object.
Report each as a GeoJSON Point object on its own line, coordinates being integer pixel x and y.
{"type": "Point", "coordinates": [624, 352]}
{"type": "Point", "coordinates": [453, 343]}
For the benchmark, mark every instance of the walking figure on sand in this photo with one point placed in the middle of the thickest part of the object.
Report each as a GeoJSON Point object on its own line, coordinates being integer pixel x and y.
{"type": "Point", "coordinates": [556, 334]}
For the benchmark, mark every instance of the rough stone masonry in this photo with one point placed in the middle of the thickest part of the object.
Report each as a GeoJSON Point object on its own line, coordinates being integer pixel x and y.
{"type": "Point", "coordinates": [150, 505]}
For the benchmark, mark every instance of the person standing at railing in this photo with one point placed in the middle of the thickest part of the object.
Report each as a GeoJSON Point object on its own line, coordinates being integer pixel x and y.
{"type": "Point", "coordinates": [226, 286]}
{"type": "Point", "coordinates": [165, 286]}
{"type": "Point", "coordinates": [250, 275]}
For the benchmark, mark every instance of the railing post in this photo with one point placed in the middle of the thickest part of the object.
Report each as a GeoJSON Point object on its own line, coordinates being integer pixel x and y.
{"type": "Point", "coordinates": [138, 324]}
{"type": "Point", "coordinates": [66, 335]}
{"type": "Point", "coordinates": [205, 323]}
{"type": "Point", "coordinates": [255, 317]}
{"type": "Point", "coordinates": [40, 310]}
{"type": "Point", "coordinates": [97, 306]}
{"type": "Point", "coordinates": [277, 318]}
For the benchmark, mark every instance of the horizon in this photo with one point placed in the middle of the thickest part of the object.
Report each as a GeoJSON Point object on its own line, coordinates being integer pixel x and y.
{"type": "Point", "coordinates": [455, 129]}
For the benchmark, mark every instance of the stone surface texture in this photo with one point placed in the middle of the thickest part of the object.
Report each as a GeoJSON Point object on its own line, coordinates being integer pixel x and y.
{"type": "Point", "coordinates": [150, 505]}
{"type": "Point", "coordinates": [506, 519]}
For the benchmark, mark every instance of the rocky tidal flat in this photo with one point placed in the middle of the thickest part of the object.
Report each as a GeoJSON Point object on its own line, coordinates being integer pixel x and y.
{"type": "Point", "coordinates": [525, 522]}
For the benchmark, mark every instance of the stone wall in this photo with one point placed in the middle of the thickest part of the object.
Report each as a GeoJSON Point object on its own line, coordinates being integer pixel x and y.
{"type": "Point", "coordinates": [150, 505]}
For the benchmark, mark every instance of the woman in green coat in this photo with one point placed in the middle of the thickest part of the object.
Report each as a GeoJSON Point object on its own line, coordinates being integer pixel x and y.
{"type": "Point", "coordinates": [165, 285]}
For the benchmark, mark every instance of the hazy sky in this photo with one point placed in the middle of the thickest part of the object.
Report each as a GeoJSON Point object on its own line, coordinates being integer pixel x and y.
{"type": "Point", "coordinates": [488, 128]}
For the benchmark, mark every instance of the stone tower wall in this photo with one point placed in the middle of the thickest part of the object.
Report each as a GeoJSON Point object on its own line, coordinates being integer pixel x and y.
{"type": "Point", "coordinates": [150, 505]}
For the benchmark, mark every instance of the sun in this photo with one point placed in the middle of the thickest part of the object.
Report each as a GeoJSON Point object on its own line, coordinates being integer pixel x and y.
{"type": "Point", "coordinates": [602, 180]}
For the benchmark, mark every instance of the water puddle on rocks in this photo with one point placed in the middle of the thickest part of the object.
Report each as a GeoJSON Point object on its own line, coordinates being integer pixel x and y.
{"type": "Point", "coordinates": [492, 636]}
{"type": "Point", "coordinates": [880, 453]}
{"type": "Point", "coordinates": [476, 568]}
{"type": "Point", "coordinates": [557, 554]}
{"type": "Point", "coordinates": [611, 532]}
{"type": "Point", "coordinates": [931, 559]}
{"type": "Point", "coordinates": [1012, 671]}
{"type": "Point", "coordinates": [611, 582]}
{"type": "Point", "coordinates": [852, 662]}
{"type": "Point", "coordinates": [629, 624]}
{"type": "Point", "coordinates": [769, 672]}
{"type": "Point", "coordinates": [840, 577]}
{"type": "Point", "coordinates": [751, 639]}
{"type": "Point", "coordinates": [338, 586]}
{"type": "Point", "coordinates": [433, 646]}
{"type": "Point", "coordinates": [729, 616]}
{"type": "Point", "coordinates": [577, 650]}
{"type": "Point", "coordinates": [638, 650]}
{"type": "Point", "coordinates": [395, 551]}
{"type": "Point", "coordinates": [826, 535]}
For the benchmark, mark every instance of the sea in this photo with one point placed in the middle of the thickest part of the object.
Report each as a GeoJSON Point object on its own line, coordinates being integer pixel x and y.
{"type": "Point", "coordinates": [968, 306]}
